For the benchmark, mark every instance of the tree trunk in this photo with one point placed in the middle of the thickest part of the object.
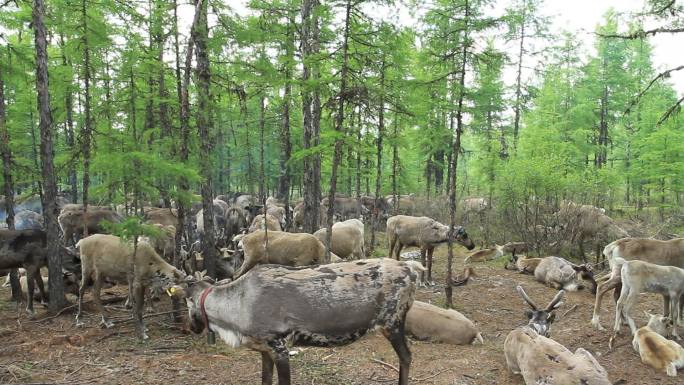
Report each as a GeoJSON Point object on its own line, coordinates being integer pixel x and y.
{"type": "Point", "coordinates": [203, 126]}
{"type": "Point", "coordinates": [262, 161]}
{"type": "Point", "coordinates": [517, 107]}
{"type": "Point", "coordinates": [69, 128]}
{"type": "Point", "coordinates": [7, 179]}
{"type": "Point", "coordinates": [358, 154]}
{"type": "Point", "coordinates": [311, 106]}
{"type": "Point", "coordinates": [56, 284]}
{"type": "Point", "coordinates": [339, 122]}
{"type": "Point", "coordinates": [285, 143]}
{"type": "Point", "coordinates": [438, 170]}
{"type": "Point", "coordinates": [86, 133]}
{"type": "Point", "coordinates": [378, 166]}
{"type": "Point", "coordinates": [429, 166]}
{"type": "Point", "coordinates": [395, 162]}
{"type": "Point", "coordinates": [603, 130]}
{"type": "Point", "coordinates": [454, 158]}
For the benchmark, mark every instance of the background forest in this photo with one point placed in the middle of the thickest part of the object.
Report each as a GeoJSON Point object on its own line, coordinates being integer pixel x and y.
{"type": "Point", "coordinates": [297, 95]}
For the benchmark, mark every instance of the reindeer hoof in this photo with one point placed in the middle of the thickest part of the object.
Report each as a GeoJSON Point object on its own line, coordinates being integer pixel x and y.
{"type": "Point", "coordinates": [597, 324]}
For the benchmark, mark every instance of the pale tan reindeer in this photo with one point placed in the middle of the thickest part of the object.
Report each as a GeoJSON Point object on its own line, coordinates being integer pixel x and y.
{"type": "Point", "coordinates": [642, 277]}
{"type": "Point", "coordinates": [664, 253]}
{"type": "Point", "coordinates": [656, 350]}
{"type": "Point", "coordinates": [541, 360]}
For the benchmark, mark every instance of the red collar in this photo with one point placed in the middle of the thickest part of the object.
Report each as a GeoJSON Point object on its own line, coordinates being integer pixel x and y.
{"type": "Point", "coordinates": [203, 296]}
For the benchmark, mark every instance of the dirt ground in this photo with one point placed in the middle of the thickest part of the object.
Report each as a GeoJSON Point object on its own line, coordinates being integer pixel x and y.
{"type": "Point", "coordinates": [54, 351]}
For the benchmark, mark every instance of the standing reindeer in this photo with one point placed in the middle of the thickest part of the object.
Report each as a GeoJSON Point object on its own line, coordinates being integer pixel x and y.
{"type": "Point", "coordinates": [541, 360]}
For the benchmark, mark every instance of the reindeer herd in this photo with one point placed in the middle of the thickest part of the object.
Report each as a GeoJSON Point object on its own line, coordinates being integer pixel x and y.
{"type": "Point", "coordinates": [273, 289]}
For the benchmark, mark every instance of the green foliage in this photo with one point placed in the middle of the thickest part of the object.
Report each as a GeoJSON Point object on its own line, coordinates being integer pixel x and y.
{"type": "Point", "coordinates": [131, 228]}
{"type": "Point", "coordinates": [408, 72]}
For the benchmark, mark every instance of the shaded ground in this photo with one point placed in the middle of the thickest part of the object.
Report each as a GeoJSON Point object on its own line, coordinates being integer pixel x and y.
{"type": "Point", "coordinates": [55, 351]}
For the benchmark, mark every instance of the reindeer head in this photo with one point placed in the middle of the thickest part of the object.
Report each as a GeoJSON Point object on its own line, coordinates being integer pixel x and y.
{"type": "Point", "coordinates": [586, 272]}
{"type": "Point", "coordinates": [541, 320]}
{"type": "Point", "coordinates": [191, 289]}
{"type": "Point", "coordinates": [459, 235]}
{"type": "Point", "coordinates": [659, 324]}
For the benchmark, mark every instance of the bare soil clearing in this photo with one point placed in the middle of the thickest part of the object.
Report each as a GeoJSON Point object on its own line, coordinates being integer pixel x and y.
{"type": "Point", "coordinates": [54, 351]}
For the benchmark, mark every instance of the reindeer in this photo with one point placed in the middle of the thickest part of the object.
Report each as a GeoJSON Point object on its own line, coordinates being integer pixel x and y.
{"type": "Point", "coordinates": [642, 277]}
{"type": "Point", "coordinates": [664, 253]}
{"type": "Point", "coordinates": [541, 360]}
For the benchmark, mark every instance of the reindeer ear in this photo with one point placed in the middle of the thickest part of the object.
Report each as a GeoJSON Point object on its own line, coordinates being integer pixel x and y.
{"type": "Point", "coordinates": [177, 291]}
{"type": "Point", "coordinates": [550, 318]}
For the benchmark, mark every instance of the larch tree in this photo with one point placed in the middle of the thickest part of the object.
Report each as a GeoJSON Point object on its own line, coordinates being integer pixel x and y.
{"type": "Point", "coordinates": [50, 211]}
{"type": "Point", "coordinates": [311, 107]}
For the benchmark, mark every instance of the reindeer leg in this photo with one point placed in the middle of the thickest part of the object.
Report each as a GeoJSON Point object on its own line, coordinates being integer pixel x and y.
{"type": "Point", "coordinates": [628, 303]}
{"type": "Point", "coordinates": [30, 281]}
{"type": "Point", "coordinates": [666, 306]}
{"type": "Point", "coordinates": [81, 292]}
{"type": "Point", "coordinates": [619, 309]}
{"type": "Point", "coordinates": [392, 243]}
{"type": "Point", "coordinates": [674, 313]}
{"type": "Point", "coordinates": [429, 266]}
{"type": "Point", "coordinates": [97, 287]}
{"type": "Point", "coordinates": [266, 369]}
{"type": "Point", "coordinates": [601, 290]}
{"type": "Point", "coordinates": [14, 284]}
{"type": "Point", "coordinates": [400, 246]}
{"type": "Point", "coordinates": [282, 360]}
{"type": "Point", "coordinates": [423, 254]}
{"type": "Point", "coordinates": [41, 288]}
{"type": "Point", "coordinates": [398, 340]}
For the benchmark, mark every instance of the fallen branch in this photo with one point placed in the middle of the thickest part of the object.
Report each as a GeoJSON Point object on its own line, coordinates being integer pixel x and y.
{"type": "Point", "coordinates": [145, 316]}
{"type": "Point", "coordinates": [385, 364]}
{"type": "Point", "coordinates": [56, 315]}
{"type": "Point", "coordinates": [430, 376]}
{"type": "Point", "coordinates": [569, 310]}
{"type": "Point", "coordinates": [104, 302]}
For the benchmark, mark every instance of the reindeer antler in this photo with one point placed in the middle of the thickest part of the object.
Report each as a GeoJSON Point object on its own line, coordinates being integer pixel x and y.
{"type": "Point", "coordinates": [555, 302]}
{"type": "Point", "coordinates": [527, 298]}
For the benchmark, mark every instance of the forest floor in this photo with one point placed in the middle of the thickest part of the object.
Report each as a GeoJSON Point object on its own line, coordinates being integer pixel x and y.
{"type": "Point", "coordinates": [54, 351]}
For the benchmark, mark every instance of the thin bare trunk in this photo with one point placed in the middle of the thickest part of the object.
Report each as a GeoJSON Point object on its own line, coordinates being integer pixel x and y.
{"type": "Point", "coordinates": [517, 107]}
{"type": "Point", "coordinates": [8, 186]}
{"type": "Point", "coordinates": [69, 128]}
{"type": "Point", "coordinates": [454, 158]}
{"type": "Point", "coordinates": [378, 166]}
{"type": "Point", "coordinates": [395, 162]}
{"type": "Point", "coordinates": [203, 127]}
{"type": "Point", "coordinates": [86, 133]}
{"type": "Point", "coordinates": [284, 180]}
{"type": "Point", "coordinates": [47, 152]}
{"type": "Point", "coordinates": [262, 128]}
{"type": "Point", "coordinates": [339, 122]}
{"type": "Point", "coordinates": [311, 106]}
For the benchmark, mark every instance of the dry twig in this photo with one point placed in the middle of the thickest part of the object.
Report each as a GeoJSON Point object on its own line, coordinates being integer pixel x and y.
{"type": "Point", "coordinates": [385, 364]}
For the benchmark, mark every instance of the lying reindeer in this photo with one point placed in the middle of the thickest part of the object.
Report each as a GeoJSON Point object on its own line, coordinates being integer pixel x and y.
{"type": "Point", "coordinates": [656, 350]}
{"type": "Point", "coordinates": [541, 360]}
{"type": "Point", "coordinates": [328, 305]}
{"type": "Point", "coordinates": [561, 274]}
{"type": "Point", "coordinates": [485, 255]}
